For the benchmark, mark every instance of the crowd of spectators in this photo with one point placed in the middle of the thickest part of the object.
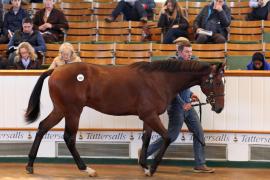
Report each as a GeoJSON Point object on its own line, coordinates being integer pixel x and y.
{"type": "Point", "coordinates": [49, 24]}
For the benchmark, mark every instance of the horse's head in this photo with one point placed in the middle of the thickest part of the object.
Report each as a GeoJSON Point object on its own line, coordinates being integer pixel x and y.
{"type": "Point", "coordinates": [212, 86]}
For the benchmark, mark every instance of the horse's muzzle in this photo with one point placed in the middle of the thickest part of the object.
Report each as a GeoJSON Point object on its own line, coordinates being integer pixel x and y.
{"type": "Point", "coordinates": [217, 109]}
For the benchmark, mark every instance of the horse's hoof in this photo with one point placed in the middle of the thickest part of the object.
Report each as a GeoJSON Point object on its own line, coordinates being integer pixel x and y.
{"type": "Point", "coordinates": [91, 172]}
{"type": "Point", "coordinates": [147, 172]}
{"type": "Point", "coordinates": [29, 169]}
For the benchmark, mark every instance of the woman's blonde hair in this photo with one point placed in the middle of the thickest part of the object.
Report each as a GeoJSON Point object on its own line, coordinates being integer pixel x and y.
{"type": "Point", "coordinates": [30, 50]}
{"type": "Point", "coordinates": [67, 47]}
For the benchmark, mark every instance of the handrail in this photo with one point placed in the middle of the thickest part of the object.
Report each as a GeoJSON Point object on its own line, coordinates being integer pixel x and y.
{"type": "Point", "coordinates": [139, 129]}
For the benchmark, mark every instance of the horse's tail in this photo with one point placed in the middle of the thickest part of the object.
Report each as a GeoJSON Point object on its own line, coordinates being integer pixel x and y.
{"type": "Point", "coordinates": [33, 108]}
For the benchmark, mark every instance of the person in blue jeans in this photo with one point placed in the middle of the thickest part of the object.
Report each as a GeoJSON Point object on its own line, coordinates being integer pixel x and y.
{"type": "Point", "coordinates": [180, 111]}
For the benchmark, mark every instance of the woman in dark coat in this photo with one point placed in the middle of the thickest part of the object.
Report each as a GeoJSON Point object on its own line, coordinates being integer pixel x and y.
{"type": "Point", "coordinates": [172, 22]}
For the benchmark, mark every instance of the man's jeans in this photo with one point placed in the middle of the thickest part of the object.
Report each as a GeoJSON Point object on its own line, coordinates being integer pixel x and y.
{"type": "Point", "coordinates": [176, 118]}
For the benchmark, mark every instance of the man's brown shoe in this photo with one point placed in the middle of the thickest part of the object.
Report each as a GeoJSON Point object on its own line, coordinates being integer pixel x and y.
{"type": "Point", "coordinates": [203, 169]}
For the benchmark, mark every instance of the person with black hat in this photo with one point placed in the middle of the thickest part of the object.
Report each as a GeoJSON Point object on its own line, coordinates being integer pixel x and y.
{"type": "Point", "coordinates": [258, 62]}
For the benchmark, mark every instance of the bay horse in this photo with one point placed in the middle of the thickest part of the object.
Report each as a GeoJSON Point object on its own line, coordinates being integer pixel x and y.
{"type": "Point", "coordinates": [143, 89]}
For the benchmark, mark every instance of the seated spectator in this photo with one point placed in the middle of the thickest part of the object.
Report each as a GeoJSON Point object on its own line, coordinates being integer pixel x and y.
{"type": "Point", "coordinates": [1, 18]}
{"type": "Point", "coordinates": [25, 57]}
{"type": "Point", "coordinates": [133, 10]}
{"type": "Point", "coordinates": [27, 34]}
{"type": "Point", "coordinates": [211, 23]}
{"type": "Point", "coordinates": [260, 10]}
{"type": "Point", "coordinates": [172, 22]}
{"type": "Point", "coordinates": [258, 62]}
{"type": "Point", "coordinates": [51, 22]}
{"type": "Point", "coordinates": [66, 55]}
{"type": "Point", "coordinates": [12, 21]}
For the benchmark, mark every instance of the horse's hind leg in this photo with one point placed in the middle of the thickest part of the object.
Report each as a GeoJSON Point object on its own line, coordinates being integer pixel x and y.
{"type": "Point", "coordinates": [147, 131]}
{"type": "Point", "coordinates": [44, 126]}
{"type": "Point", "coordinates": [71, 128]}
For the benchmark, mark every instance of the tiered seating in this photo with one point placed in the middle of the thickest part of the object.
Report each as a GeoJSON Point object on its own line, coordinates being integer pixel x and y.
{"type": "Point", "coordinates": [130, 53]}
{"type": "Point", "coordinates": [246, 31]}
{"type": "Point", "coordinates": [267, 51]}
{"type": "Point", "coordinates": [239, 10]}
{"type": "Point", "coordinates": [266, 31]}
{"type": "Point", "coordinates": [103, 10]}
{"type": "Point", "coordinates": [3, 49]}
{"type": "Point", "coordinates": [77, 11]}
{"type": "Point", "coordinates": [81, 32]}
{"type": "Point", "coordinates": [97, 53]}
{"type": "Point", "coordinates": [51, 53]}
{"type": "Point", "coordinates": [209, 52]}
{"type": "Point", "coordinates": [113, 32]}
{"type": "Point", "coordinates": [163, 51]}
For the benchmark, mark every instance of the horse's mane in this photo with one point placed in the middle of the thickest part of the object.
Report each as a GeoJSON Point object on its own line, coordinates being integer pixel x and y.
{"type": "Point", "coordinates": [172, 66]}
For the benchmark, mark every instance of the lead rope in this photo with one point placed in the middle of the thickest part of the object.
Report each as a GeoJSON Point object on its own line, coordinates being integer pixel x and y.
{"type": "Point", "coordinates": [200, 112]}
{"type": "Point", "coordinates": [200, 108]}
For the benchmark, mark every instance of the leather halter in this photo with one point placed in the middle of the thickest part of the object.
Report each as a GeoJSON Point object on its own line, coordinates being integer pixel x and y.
{"type": "Point", "coordinates": [209, 83]}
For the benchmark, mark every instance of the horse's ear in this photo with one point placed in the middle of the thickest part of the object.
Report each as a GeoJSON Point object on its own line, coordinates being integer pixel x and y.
{"type": "Point", "coordinates": [220, 67]}
{"type": "Point", "coordinates": [213, 68]}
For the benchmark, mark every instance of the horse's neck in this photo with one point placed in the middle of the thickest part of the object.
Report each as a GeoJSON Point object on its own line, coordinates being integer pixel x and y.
{"type": "Point", "coordinates": [182, 81]}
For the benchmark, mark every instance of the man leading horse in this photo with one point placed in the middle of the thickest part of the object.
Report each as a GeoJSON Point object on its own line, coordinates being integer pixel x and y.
{"type": "Point", "coordinates": [179, 111]}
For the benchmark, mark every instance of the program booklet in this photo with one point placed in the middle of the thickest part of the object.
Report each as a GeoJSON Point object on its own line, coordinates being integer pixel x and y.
{"type": "Point", "coordinates": [205, 32]}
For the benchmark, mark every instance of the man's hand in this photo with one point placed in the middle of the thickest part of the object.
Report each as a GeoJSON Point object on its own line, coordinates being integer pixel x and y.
{"type": "Point", "coordinates": [42, 28]}
{"type": "Point", "coordinates": [198, 30]}
{"type": "Point", "coordinates": [45, 26]}
{"type": "Point", "coordinates": [187, 106]}
{"type": "Point", "coordinates": [194, 97]}
{"type": "Point", "coordinates": [175, 26]}
{"type": "Point", "coordinates": [48, 25]}
{"type": "Point", "coordinates": [163, 10]}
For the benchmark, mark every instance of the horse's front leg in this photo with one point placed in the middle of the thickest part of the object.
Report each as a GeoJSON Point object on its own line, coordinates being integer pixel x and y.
{"type": "Point", "coordinates": [154, 122]}
{"type": "Point", "coordinates": [147, 131]}
{"type": "Point", "coordinates": [159, 156]}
